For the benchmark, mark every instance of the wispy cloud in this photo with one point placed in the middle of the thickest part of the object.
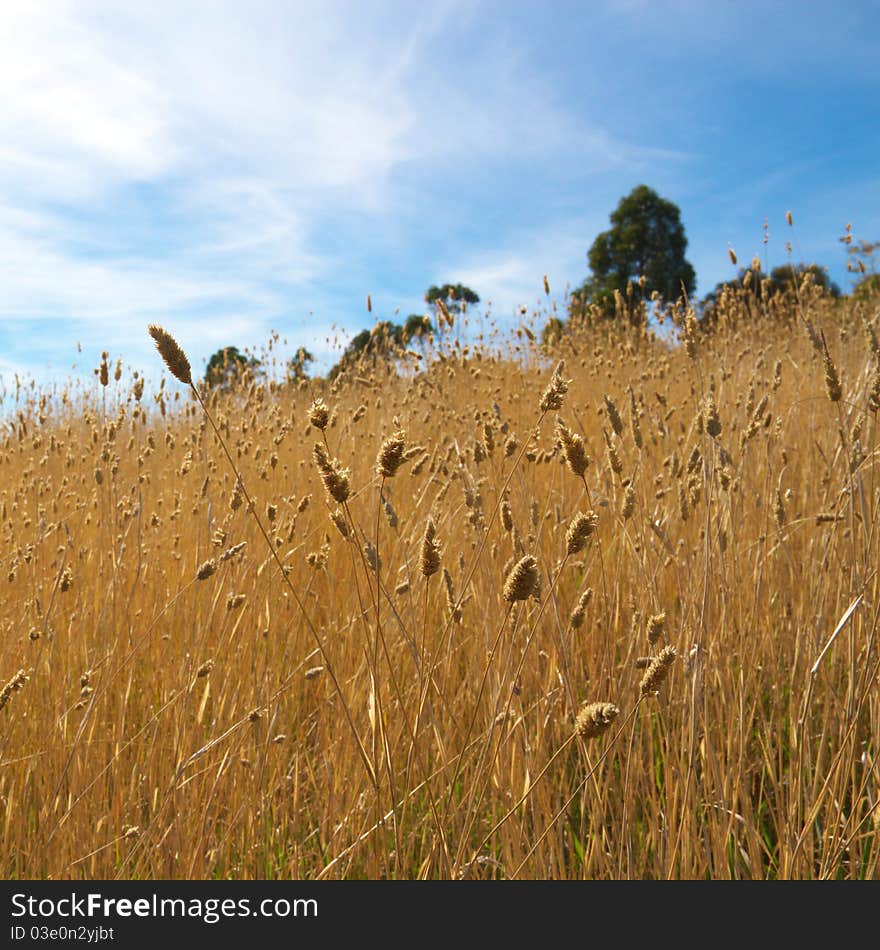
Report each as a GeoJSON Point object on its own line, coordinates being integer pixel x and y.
{"type": "Point", "coordinates": [511, 275]}
{"type": "Point", "coordinates": [234, 168]}
{"type": "Point", "coordinates": [166, 162]}
{"type": "Point", "coordinates": [76, 119]}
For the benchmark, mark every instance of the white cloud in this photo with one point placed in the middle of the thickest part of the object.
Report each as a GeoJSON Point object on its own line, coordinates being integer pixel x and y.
{"type": "Point", "coordinates": [511, 275]}
{"type": "Point", "coordinates": [42, 281]}
{"type": "Point", "coordinates": [244, 122]}
{"type": "Point", "coordinates": [189, 163]}
{"type": "Point", "coordinates": [74, 118]}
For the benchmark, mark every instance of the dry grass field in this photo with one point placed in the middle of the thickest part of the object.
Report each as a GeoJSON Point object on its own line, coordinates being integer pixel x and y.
{"type": "Point", "coordinates": [605, 607]}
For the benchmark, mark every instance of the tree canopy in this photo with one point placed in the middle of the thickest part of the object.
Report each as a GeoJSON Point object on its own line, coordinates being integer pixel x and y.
{"type": "Point", "coordinates": [783, 278]}
{"type": "Point", "coordinates": [297, 365]}
{"type": "Point", "coordinates": [416, 328]}
{"type": "Point", "coordinates": [753, 293]}
{"type": "Point", "coordinates": [752, 286]}
{"type": "Point", "coordinates": [868, 288]}
{"type": "Point", "coordinates": [380, 342]}
{"type": "Point", "coordinates": [453, 296]}
{"type": "Point", "coordinates": [228, 365]}
{"type": "Point", "coordinates": [643, 252]}
{"type": "Point", "coordinates": [387, 337]}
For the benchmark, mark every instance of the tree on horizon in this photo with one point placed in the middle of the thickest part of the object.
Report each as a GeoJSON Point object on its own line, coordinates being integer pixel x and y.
{"type": "Point", "coordinates": [227, 365]}
{"type": "Point", "coordinates": [642, 253]}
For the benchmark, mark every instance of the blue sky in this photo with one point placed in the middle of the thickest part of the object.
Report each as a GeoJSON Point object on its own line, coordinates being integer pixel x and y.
{"type": "Point", "coordinates": [229, 168]}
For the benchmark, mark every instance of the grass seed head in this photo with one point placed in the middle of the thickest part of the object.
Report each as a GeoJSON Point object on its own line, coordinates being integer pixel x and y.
{"type": "Point", "coordinates": [613, 415]}
{"type": "Point", "coordinates": [454, 607]}
{"type": "Point", "coordinates": [629, 503]}
{"type": "Point", "coordinates": [551, 400]}
{"type": "Point", "coordinates": [338, 518]}
{"type": "Point", "coordinates": [231, 552]}
{"type": "Point", "coordinates": [614, 459]}
{"type": "Point", "coordinates": [779, 509]}
{"type": "Point", "coordinates": [581, 527]}
{"type": "Point", "coordinates": [506, 515]}
{"type": "Point", "coordinates": [372, 557]}
{"type": "Point", "coordinates": [657, 671]}
{"type": "Point", "coordinates": [206, 570]}
{"type": "Point", "coordinates": [832, 379]}
{"type": "Point", "coordinates": [170, 351]}
{"type": "Point", "coordinates": [656, 626]}
{"type": "Point", "coordinates": [710, 417]}
{"type": "Point", "coordinates": [595, 718]}
{"type": "Point", "coordinates": [319, 414]}
{"type": "Point", "coordinates": [635, 425]}
{"type": "Point", "coordinates": [12, 686]}
{"type": "Point", "coordinates": [523, 581]}
{"type": "Point", "coordinates": [573, 446]}
{"type": "Point", "coordinates": [333, 475]}
{"type": "Point", "coordinates": [683, 505]}
{"type": "Point", "coordinates": [390, 456]}
{"type": "Point", "coordinates": [874, 393]}
{"type": "Point", "coordinates": [691, 328]}
{"type": "Point", "coordinates": [577, 615]}
{"type": "Point", "coordinates": [429, 562]}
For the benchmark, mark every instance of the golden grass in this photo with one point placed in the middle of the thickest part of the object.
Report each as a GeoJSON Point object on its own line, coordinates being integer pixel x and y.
{"type": "Point", "coordinates": [226, 654]}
